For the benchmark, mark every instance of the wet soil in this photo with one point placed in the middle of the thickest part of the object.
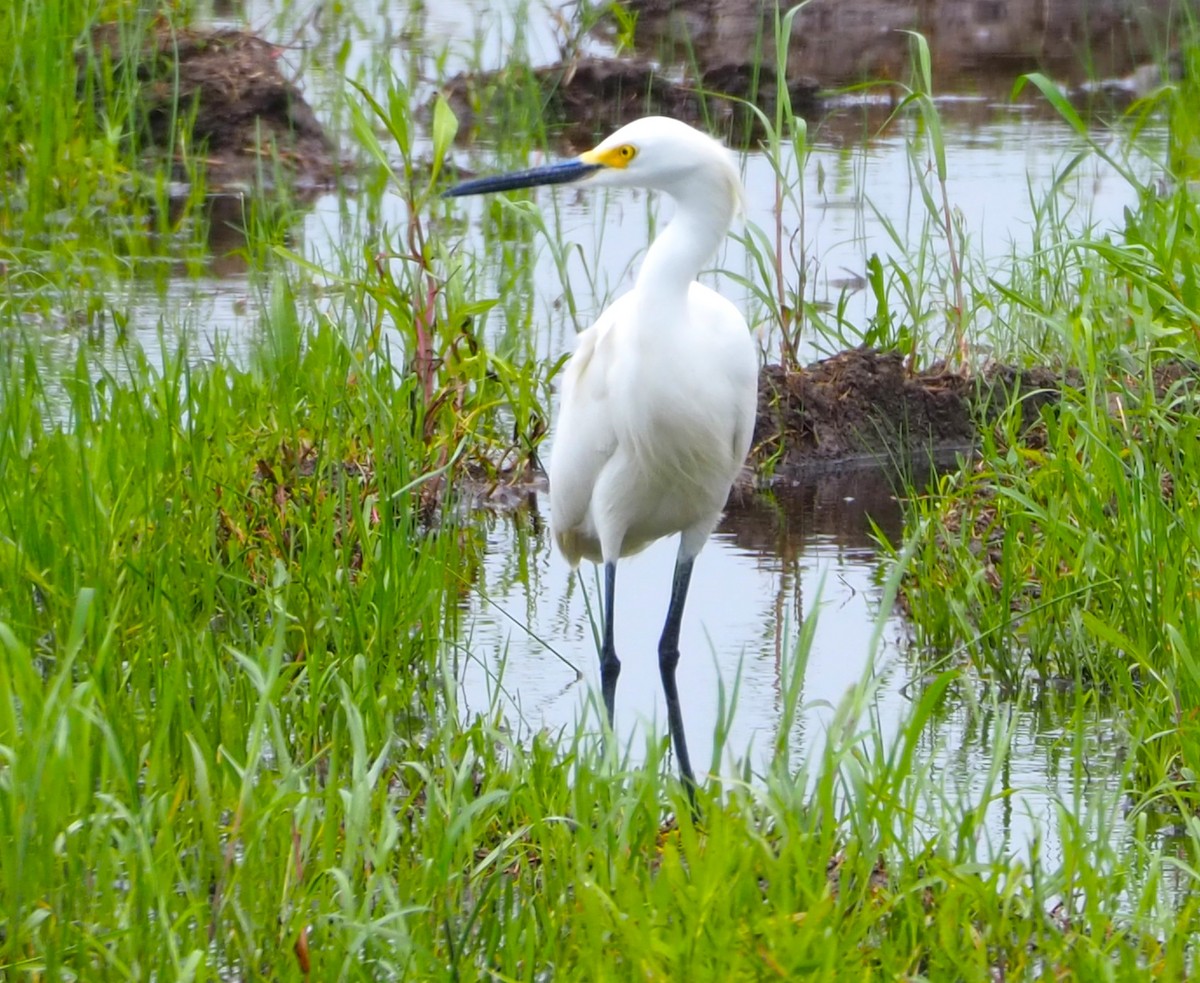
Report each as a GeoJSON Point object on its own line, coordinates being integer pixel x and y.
{"type": "Point", "coordinates": [859, 413]}
{"type": "Point", "coordinates": [864, 407]}
{"type": "Point", "coordinates": [850, 41]}
{"type": "Point", "coordinates": [862, 411]}
{"type": "Point", "coordinates": [248, 123]}
{"type": "Point", "coordinates": [704, 61]}
{"type": "Point", "coordinates": [592, 95]}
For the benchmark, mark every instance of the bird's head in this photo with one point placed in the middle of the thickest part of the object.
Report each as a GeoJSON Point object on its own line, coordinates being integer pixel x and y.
{"type": "Point", "coordinates": [654, 152]}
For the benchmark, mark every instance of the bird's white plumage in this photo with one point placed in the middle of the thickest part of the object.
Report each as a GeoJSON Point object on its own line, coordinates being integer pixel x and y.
{"type": "Point", "coordinates": [658, 401]}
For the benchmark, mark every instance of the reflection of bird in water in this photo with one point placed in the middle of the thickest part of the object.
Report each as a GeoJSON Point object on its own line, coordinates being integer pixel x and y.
{"type": "Point", "coordinates": [659, 398]}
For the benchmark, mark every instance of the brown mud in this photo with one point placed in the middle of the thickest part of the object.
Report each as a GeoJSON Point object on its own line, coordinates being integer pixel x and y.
{"type": "Point", "coordinates": [248, 123]}
{"type": "Point", "coordinates": [841, 42]}
{"type": "Point", "coordinates": [826, 432]}
{"type": "Point", "coordinates": [857, 412]}
{"type": "Point", "coordinates": [703, 61]}
{"type": "Point", "coordinates": [866, 408]}
{"type": "Point", "coordinates": [590, 95]}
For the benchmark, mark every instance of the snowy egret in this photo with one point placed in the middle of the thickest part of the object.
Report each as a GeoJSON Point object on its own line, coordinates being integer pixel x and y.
{"type": "Point", "coordinates": [658, 400]}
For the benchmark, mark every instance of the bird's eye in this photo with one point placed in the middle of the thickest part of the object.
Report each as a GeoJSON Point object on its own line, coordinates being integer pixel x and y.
{"type": "Point", "coordinates": [618, 157]}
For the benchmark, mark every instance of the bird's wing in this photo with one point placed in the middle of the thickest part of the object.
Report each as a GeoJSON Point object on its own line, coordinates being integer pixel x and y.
{"type": "Point", "coordinates": [743, 360]}
{"type": "Point", "coordinates": [737, 379]}
{"type": "Point", "coordinates": [584, 438]}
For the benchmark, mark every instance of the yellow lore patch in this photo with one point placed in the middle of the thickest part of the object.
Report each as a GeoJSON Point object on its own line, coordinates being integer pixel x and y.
{"type": "Point", "coordinates": [618, 157]}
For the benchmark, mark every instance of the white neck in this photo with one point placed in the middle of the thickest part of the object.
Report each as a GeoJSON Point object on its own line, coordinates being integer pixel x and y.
{"type": "Point", "coordinates": [703, 215]}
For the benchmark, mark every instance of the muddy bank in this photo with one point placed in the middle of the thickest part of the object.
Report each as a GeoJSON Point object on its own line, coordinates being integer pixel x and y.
{"type": "Point", "coordinates": [857, 412]}
{"type": "Point", "coordinates": [592, 95]}
{"type": "Point", "coordinates": [704, 62]}
{"type": "Point", "coordinates": [852, 415]}
{"type": "Point", "coordinates": [839, 42]}
{"type": "Point", "coordinates": [248, 123]}
{"type": "Point", "coordinates": [865, 408]}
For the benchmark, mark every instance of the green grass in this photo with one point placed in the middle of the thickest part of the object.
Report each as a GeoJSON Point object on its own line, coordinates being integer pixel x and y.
{"type": "Point", "coordinates": [231, 589]}
{"type": "Point", "coordinates": [232, 598]}
{"type": "Point", "coordinates": [1072, 553]}
{"type": "Point", "coordinates": [1070, 550]}
{"type": "Point", "coordinates": [69, 139]}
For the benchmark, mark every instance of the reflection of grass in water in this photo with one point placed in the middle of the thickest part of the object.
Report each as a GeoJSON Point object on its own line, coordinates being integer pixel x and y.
{"type": "Point", "coordinates": [224, 602]}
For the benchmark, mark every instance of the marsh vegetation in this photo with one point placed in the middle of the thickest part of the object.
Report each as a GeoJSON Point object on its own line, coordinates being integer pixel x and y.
{"type": "Point", "coordinates": [269, 466]}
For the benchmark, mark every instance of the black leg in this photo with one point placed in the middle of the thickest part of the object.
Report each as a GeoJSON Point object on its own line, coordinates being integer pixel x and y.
{"type": "Point", "coordinates": [668, 659]}
{"type": "Point", "coordinates": [610, 665]}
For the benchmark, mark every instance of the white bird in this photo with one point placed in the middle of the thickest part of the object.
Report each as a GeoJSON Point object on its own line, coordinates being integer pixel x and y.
{"type": "Point", "coordinates": [658, 400]}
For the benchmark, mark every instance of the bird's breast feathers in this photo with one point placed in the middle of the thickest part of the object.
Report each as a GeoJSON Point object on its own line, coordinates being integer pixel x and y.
{"type": "Point", "coordinates": [655, 421]}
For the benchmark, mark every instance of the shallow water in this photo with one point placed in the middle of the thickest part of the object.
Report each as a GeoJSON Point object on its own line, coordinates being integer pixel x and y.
{"type": "Point", "coordinates": [527, 639]}
{"type": "Point", "coordinates": [813, 553]}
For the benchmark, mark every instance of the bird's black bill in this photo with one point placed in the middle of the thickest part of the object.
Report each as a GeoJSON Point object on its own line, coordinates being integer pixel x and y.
{"type": "Point", "coordinates": [563, 172]}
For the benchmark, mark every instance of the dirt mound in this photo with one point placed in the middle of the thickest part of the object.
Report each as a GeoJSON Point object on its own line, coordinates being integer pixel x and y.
{"type": "Point", "coordinates": [866, 406]}
{"type": "Point", "coordinates": [850, 41]}
{"type": "Point", "coordinates": [591, 95]}
{"type": "Point", "coordinates": [243, 116]}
